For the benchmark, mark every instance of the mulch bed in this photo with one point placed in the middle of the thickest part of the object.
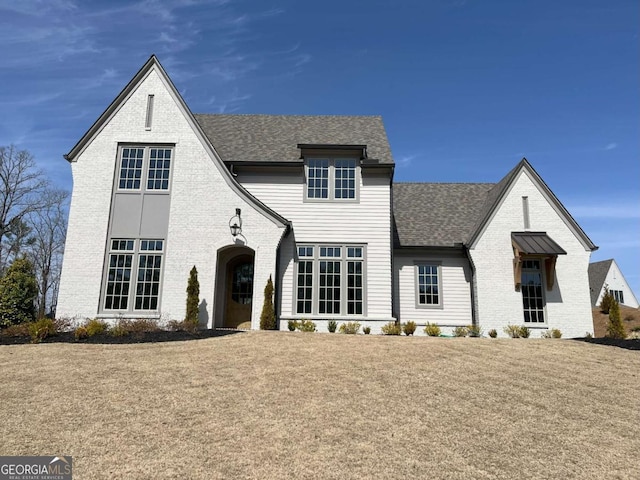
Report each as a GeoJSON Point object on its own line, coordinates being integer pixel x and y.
{"type": "Point", "coordinates": [630, 344]}
{"type": "Point", "coordinates": [143, 337]}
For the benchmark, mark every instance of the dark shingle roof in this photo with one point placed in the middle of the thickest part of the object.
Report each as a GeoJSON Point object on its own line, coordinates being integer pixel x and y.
{"type": "Point", "coordinates": [274, 138]}
{"type": "Point", "coordinates": [597, 275]}
{"type": "Point", "coordinates": [437, 214]}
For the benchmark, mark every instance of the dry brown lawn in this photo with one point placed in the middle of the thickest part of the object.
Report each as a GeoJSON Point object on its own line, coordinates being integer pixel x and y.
{"type": "Point", "coordinates": [296, 405]}
{"type": "Point", "coordinates": [630, 319]}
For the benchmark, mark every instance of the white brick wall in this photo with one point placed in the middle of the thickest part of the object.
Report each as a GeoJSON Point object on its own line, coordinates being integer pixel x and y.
{"type": "Point", "coordinates": [568, 304]}
{"type": "Point", "coordinates": [202, 203]}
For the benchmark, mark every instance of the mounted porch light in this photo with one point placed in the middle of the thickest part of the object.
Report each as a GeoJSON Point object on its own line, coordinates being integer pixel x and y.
{"type": "Point", "coordinates": [235, 224]}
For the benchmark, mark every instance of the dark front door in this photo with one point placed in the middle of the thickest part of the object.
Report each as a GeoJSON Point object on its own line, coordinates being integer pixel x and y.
{"type": "Point", "coordinates": [239, 296]}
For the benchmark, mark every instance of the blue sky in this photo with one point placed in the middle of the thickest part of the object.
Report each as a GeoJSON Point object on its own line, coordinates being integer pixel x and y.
{"type": "Point", "coordinates": [466, 87]}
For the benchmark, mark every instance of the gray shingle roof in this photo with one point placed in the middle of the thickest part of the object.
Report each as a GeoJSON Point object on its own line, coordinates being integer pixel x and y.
{"type": "Point", "coordinates": [274, 138]}
{"type": "Point", "coordinates": [437, 214]}
{"type": "Point", "coordinates": [597, 275]}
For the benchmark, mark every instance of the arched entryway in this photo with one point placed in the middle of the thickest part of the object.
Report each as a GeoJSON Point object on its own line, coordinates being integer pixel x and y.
{"type": "Point", "coordinates": [234, 295]}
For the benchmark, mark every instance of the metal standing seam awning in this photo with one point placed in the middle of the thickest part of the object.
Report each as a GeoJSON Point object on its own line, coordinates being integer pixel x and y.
{"type": "Point", "coordinates": [535, 244]}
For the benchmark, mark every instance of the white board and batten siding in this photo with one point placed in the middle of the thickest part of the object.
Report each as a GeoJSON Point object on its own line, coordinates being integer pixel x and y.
{"type": "Point", "coordinates": [568, 304]}
{"type": "Point", "coordinates": [455, 291]}
{"type": "Point", "coordinates": [201, 204]}
{"type": "Point", "coordinates": [364, 222]}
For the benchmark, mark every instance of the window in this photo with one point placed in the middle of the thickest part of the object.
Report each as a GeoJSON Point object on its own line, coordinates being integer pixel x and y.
{"type": "Point", "coordinates": [150, 166]}
{"type": "Point", "coordinates": [242, 283]}
{"type": "Point", "coordinates": [330, 280]}
{"type": "Point", "coordinates": [618, 295]}
{"type": "Point", "coordinates": [332, 179]}
{"type": "Point", "coordinates": [532, 292]}
{"type": "Point", "coordinates": [127, 256]}
{"type": "Point", "coordinates": [428, 282]}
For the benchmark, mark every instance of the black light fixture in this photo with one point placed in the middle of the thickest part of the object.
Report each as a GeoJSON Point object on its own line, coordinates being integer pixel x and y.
{"type": "Point", "coordinates": [235, 224]}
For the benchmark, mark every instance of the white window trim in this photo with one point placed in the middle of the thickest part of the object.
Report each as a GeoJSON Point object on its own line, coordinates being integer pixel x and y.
{"type": "Point", "coordinates": [331, 181]}
{"type": "Point", "coordinates": [315, 286]}
{"type": "Point", "coordinates": [416, 279]}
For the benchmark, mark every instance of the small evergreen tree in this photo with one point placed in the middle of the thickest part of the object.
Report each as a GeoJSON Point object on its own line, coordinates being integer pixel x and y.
{"type": "Point", "coordinates": [607, 300]}
{"type": "Point", "coordinates": [18, 292]}
{"type": "Point", "coordinates": [193, 297]}
{"type": "Point", "coordinates": [268, 315]}
{"type": "Point", "coordinates": [615, 328]}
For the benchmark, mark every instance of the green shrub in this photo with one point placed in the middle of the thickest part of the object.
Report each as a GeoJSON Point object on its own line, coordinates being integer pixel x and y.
{"type": "Point", "coordinates": [588, 335]}
{"type": "Point", "coordinates": [268, 315]}
{"type": "Point", "coordinates": [193, 296]}
{"type": "Point", "coordinates": [366, 330]}
{"type": "Point", "coordinates": [350, 328]}
{"type": "Point", "coordinates": [432, 330]}
{"type": "Point", "coordinates": [41, 329]}
{"type": "Point", "coordinates": [493, 333]}
{"type": "Point", "coordinates": [615, 328]}
{"type": "Point", "coordinates": [460, 332]}
{"type": "Point", "coordinates": [553, 333]}
{"type": "Point", "coordinates": [391, 328]}
{"type": "Point", "coordinates": [525, 332]}
{"type": "Point", "coordinates": [291, 325]}
{"type": "Point", "coordinates": [120, 329]}
{"type": "Point", "coordinates": [306, 326]}
{"type": "Point", "coordinates": [18, 292]}
{"type": "Point", "coordinates": [512, 330]}
{"type": "Point", "coordinates": [607, 300]}
{"type": "Point", "coordinates": [409, 328]}
{"type": "Point", "coordinates": [332, 326]}
{"type": "Point", "coordinates": [474, 330]}
{"type": "Point", "coordinates": [636, 328]}
{"type": "Point", "coordinates": [95, 327]}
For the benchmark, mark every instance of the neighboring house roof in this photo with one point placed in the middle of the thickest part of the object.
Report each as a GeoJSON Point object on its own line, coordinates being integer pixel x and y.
{"type": "Point", "coordinates": [436, 214]}
{"type": "Point", "coordinates": [597, 275]}
{"type": "Point", "coordinates": [275, 138]}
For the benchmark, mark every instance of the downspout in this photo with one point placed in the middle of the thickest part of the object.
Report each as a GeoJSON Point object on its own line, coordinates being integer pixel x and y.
{"type": "Point", "coordinates": [276, 293]}
{"type": "Point", "coordinates": [474, 315]}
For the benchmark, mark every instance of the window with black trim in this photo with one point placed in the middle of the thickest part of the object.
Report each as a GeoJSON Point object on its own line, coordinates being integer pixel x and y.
{"type": "Point", "coordinates": [331, 280]}
{"type": "Point", "coordinates": [618, 295]}
{"type": "Point", "coordinates": [533, 300]}
{"type": "Point", "coordinates": [125, 257]}
{"type": "Point", "coordinates": [332, 179]}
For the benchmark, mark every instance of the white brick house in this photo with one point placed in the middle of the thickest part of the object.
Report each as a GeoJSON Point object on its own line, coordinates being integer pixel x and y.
{"type": "Point", "coordinates": [308, 201]}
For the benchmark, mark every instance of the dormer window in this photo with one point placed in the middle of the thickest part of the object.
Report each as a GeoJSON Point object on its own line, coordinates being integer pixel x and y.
{"type": "Point", "coordinates": [332, 171]}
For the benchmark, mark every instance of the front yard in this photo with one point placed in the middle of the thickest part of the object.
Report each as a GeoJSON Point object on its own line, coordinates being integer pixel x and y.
{"type": "Point", "coordinates": [297, 405]}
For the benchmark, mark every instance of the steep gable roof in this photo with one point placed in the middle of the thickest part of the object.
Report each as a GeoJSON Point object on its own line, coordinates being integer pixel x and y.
{"type": "Point", "coordinates": [597, 275]}
{"type": "Point", "coordinates": [436, 214]}
{"type": "Point", "coordinates": [497, 194]}
{"type": "Point", "coordinates": [153, 64]}
{"type": "Point", "coordinates": [275, 138]}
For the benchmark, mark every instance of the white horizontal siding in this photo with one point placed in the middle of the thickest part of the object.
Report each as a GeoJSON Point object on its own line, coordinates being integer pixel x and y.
{"type": "Point", "coordinates": [367, 221]}
{"type": "Point", "coordinates": [616, 281]}
{"type": "Point", "coordinates": [455, 290]}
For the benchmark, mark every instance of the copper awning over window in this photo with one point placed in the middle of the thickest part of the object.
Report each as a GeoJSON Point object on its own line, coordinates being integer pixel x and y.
{"type": "Point", "coordinates": [535, 244]}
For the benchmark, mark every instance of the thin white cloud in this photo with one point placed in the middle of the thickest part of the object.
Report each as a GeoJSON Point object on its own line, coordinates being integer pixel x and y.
{"type": "Point", "coordinates": [228, 103]}
{"type": "Point", "coordinates": [405, 160]}
{"type": "Point", "coordinates": [611, 146]}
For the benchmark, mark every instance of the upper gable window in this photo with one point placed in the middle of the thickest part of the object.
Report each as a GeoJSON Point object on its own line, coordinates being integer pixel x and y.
{"type": "Point", "coordinates": [145, 166]}
{"type": "Point", "coordinates": [332, 179]}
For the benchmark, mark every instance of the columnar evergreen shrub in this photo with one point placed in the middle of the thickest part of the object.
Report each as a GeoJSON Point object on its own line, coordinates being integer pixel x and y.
{"type": "Point", "coordinates": [268, 315]}
{"type": "Point", "coordinates": [615, 327]}
{"type": "Point", "coordinates": [18, 292]}
{"type": "Point", "coordinates": [607, 300]}
{"type": "Point", "coordinates": [193, 297]}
